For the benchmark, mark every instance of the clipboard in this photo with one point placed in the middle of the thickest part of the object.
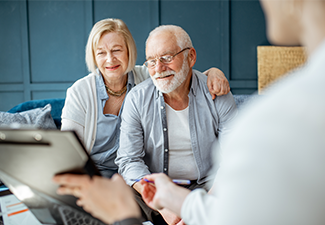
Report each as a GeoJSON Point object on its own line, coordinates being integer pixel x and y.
{"type": "Point", "coordinates": [29, 158]}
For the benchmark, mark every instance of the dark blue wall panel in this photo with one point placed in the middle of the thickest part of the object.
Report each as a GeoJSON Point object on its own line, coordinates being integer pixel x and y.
{"type": "Point", "coordinates": [11, 42]}
{"type": "Point", "coordinates": [196, 18]}
{"type": "Point", "coordinates": [247, 32]}
{"type": "Point", "coordinates": [48, 94]}
{"type": "Point", "coordinates": [42, 42]}
{"type": "Point", "coordinates": [9, 99]}
{"type": "Point", "coordinates": [57, 31]}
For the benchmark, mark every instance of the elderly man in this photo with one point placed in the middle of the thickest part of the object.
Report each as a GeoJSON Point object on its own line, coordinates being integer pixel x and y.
{"type": "Point", "coordinates": [170, 123]}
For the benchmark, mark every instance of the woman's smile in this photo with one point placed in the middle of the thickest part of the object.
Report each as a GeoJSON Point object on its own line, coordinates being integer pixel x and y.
{"type": "Point", "coordinates": [111, 68]}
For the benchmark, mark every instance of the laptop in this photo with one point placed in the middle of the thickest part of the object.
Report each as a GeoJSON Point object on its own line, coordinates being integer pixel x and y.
{"type": "Point", "coordinates": [29, 158]}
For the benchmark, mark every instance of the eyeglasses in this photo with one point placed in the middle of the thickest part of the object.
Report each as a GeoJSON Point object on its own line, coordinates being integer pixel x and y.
{"type": "Point", "coordinates": [166, 59]}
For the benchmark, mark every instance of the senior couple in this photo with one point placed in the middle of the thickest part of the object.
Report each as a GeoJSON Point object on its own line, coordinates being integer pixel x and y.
{"type": "Point", "coordinates": [170, 123]}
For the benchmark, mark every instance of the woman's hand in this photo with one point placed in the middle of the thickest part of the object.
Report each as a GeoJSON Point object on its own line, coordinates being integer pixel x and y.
{"type": "Point", "coordinates": [217, 82]}
{"type": "Point", "coordinates": [109, 200]}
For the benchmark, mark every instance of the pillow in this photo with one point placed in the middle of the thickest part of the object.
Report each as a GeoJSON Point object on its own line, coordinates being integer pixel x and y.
{"type": "Point", "coordinates": [56, 104]}
{"type": "Point", "coordinates": [39, 117]}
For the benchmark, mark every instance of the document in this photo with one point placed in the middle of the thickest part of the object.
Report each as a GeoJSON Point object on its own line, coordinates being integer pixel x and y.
{"type": "Point", "coordinates": [14, 212]}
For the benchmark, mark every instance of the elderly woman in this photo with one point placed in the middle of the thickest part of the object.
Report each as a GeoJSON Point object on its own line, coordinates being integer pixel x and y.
{"type": "Point", "coordinates": [94, 103]}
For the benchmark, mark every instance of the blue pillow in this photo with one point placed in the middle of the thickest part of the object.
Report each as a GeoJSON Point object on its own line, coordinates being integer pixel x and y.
{"type": "Point", "coordinates": [38, 118]}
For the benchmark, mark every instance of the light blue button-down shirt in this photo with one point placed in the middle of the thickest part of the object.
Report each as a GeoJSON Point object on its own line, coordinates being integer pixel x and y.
{"type": "Point", "coordinates": [108, 131]}
{"type": "Point", "coordinates": [144, 139]}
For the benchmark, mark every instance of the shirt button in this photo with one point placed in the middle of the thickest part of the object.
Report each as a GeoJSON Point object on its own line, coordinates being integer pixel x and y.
{"type": "Point", "coordinates": [162, 107]}
{"type": "Point", "coordinates": [165, 129]}
{"type": "Point", "coordinates": [166, 150]}
{"type": "Point", "coordinates": [165, 169]}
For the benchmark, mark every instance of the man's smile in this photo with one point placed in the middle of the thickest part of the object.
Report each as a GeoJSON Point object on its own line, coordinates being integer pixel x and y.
{"type": "Point", "coordinates": [166, 76]}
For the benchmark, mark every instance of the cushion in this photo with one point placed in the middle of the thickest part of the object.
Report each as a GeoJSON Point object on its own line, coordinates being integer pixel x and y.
{"type": "Point", "coordinates": [38, 117]}
{"type": "Point", "coordinates": [56, 104]}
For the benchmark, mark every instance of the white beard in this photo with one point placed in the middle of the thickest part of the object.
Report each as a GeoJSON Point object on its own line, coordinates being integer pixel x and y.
{"type": "Point", "coordinates": [166, 86]}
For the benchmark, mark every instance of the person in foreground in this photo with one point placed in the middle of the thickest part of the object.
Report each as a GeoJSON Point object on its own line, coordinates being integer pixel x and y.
{"type": "Point", "coordinates": [274, 173]}
{"type": "Point", "coordinates": [94, 103]}
{"type": "Point", "coordinates": [170, 123]}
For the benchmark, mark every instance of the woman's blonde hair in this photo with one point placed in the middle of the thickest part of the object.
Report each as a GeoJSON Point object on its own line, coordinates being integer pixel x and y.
{"type": "Point", "coordinates": [104, 26]}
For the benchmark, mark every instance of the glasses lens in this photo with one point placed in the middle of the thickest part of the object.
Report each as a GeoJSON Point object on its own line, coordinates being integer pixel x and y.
{"type": "Point", "coordinates": [152, 63]}
{"type": "Point", "coordinates": [166, 59]}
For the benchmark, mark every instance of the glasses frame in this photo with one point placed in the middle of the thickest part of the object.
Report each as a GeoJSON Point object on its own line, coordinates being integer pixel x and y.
{"type": "Point", "coordinates": [162, 58]}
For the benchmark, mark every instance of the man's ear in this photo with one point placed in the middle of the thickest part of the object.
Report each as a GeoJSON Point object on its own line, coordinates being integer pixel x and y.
{"type": "Point", "coordinates": [192, 57]}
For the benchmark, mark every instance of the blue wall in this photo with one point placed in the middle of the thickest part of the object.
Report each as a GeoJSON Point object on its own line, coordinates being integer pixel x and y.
{"type": "Point", "coordinates": [42, 43]}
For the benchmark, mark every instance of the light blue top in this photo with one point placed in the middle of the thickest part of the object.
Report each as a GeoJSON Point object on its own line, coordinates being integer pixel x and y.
{"type": "Point", "coordinates": [108, 130]}
{"type": "Point", "coordinates": [144, 138]}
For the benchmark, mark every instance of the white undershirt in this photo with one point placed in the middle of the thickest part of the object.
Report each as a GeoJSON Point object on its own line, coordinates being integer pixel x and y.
{"type": "Point", "coordinates": [181, 160]}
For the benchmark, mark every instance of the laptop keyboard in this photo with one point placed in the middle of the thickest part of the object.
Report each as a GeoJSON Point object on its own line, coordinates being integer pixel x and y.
{"type": "Point", "coordinates": [71, 216]}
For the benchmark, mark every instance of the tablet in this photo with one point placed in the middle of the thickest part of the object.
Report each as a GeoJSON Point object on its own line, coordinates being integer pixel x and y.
{"type": "Point", "coordinates": [29, 160]}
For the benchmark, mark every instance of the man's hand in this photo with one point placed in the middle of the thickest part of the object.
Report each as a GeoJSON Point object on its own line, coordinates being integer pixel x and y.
{"type": "Point", "coordinates": [138, 187]}
{"type": "Point", "coordinates": [217, 82]}
{"type": "Point", "coordinates": [170, 217]}
{"type": "Point", "coordinates": [109, 200]}
{"type": "Point", "coordinates": [150, 194]}
{"type": "Point", "coordinates": [162, 193]}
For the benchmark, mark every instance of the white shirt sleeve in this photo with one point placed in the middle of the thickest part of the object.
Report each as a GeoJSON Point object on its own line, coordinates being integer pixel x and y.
{"type": "Point", "coordinates": [271, 171]}
{"type": "Point", "coordinates": [68, 125]}
{"type": "Point", "coordinates": [205, 205]}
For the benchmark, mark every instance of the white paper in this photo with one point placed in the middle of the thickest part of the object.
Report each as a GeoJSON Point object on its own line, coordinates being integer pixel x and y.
{"type": "Point", "coordinates": [15, 212]}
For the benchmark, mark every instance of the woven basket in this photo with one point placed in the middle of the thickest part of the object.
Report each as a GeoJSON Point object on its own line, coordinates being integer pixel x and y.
{"type": "Point", "coordinates": [273, 62]}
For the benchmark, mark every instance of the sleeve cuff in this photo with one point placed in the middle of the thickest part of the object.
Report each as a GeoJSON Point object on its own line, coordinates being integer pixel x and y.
{"type": "Point", "coordinates": [188, 202]}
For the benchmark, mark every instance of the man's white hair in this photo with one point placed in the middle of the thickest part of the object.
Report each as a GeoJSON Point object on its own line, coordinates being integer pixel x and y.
{"type": "Point", "coordinates": [182, 38]}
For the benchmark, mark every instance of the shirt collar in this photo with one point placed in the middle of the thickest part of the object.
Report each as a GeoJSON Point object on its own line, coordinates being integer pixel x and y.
{"type": "Point", "coordinates": [102, 94]}
{"type": "Point", "coordinates": [194, 83]}
{"type": "Point", "coordinates": [130, 79]}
